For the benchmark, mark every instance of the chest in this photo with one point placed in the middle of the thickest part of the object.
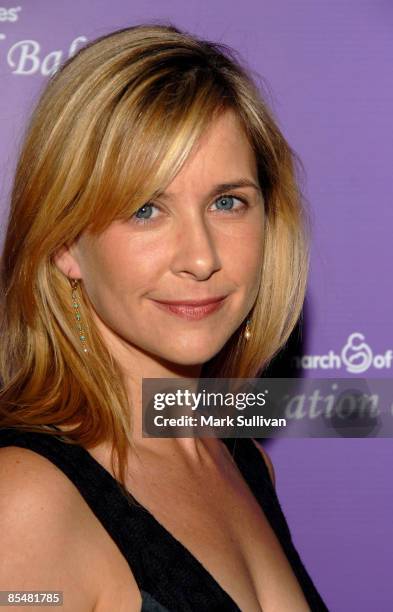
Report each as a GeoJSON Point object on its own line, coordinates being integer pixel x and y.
{"type": "Point", "coordinates": [215, 517]}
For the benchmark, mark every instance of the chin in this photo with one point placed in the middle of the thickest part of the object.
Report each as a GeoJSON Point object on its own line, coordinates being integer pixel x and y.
{"type": "Point", "coordinates": [193, 356]}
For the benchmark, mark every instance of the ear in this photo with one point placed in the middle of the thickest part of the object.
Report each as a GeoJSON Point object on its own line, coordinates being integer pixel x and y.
{"type": "Point", "coordinates": [66, 262]}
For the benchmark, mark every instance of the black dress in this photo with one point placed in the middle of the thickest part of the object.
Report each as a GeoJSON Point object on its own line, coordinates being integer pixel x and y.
{"type": "Point", "coordinates": [169, 577]}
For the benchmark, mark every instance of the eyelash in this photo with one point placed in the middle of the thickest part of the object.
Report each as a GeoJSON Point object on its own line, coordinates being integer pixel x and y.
{"type": "Point", "coordinates": [235, 211]}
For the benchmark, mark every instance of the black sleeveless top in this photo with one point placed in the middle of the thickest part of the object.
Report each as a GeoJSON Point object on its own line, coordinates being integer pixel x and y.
{"type": "Point", "coordinates": [169, 577]}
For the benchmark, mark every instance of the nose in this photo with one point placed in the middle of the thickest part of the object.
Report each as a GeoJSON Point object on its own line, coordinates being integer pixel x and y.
{"type": "Point", "coordinates": [196, 249]}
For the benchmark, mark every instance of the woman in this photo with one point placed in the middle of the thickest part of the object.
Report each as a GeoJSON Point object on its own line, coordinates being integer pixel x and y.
{"type": "Point", "coordinates": [135, 145]}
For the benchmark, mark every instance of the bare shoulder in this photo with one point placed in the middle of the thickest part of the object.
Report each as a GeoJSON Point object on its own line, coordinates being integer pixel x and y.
{"type": "Point", "coordinates": [39, 530]}
{"type": "Point", "coordinates": [54, 541]}
{"type": "Point", "coordinates": [267, 460]}
{"type": "Point", "coordinates": [31, 481]}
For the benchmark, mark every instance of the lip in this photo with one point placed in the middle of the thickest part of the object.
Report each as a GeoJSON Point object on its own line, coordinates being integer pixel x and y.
{"type": "Point", "coordinates": [192, 311]}
{"type": "Point", "coordinates": [192, 302]}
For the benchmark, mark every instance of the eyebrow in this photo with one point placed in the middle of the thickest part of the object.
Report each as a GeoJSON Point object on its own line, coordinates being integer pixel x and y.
{"type": "Point", "coordinates": [220, 188]}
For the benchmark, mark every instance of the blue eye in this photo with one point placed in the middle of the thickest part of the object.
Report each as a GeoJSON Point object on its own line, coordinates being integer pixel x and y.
{"type": "Point", "coordinates": [228, 207]}
{"type": "Point", "coordinates": [228, 202]}
{"type": "Point", "coordinates": [143, 208]}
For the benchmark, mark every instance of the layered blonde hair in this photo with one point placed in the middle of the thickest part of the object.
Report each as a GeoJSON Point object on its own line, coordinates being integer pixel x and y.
{"type": "Point", "coordinates": [112, 128]}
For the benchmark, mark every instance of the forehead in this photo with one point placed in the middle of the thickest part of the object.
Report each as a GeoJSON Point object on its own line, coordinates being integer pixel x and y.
{"type": "Point", "coordinates": [222, 153]}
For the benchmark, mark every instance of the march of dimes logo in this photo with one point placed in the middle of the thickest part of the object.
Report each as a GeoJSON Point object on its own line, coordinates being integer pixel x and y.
{"type": "Point", "coordinates": [356, 357]}
{"type": "Point", "coordinates": [25, 57]}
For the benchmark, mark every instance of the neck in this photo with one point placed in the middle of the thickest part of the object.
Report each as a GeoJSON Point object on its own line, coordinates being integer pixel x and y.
{"type": "Point", "coordinates": [137, 365]}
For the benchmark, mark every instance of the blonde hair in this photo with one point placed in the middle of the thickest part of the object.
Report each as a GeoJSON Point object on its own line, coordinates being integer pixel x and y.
{"type": "Point", "coordinates": [113, 127]}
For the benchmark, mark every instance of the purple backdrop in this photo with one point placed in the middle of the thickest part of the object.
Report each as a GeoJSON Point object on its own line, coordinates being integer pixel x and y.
{"type": "Point", "coordinates": [328, 68]}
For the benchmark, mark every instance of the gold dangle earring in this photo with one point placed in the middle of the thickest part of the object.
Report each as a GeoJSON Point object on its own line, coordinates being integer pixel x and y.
{"type": "Point", "coordinates": [75, 305]}
{"type": "Point", "coordinates": [247, 331]}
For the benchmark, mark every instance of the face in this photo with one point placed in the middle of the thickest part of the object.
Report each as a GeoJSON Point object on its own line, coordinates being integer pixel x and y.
{"type": "Point", "coordinates": [195, 241]}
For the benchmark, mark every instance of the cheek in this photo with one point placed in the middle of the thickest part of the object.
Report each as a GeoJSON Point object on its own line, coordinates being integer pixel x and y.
{"type": "Point", "coordinates": [112, 271]}
{"type": "Point", "coordinates": [244, 255]}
